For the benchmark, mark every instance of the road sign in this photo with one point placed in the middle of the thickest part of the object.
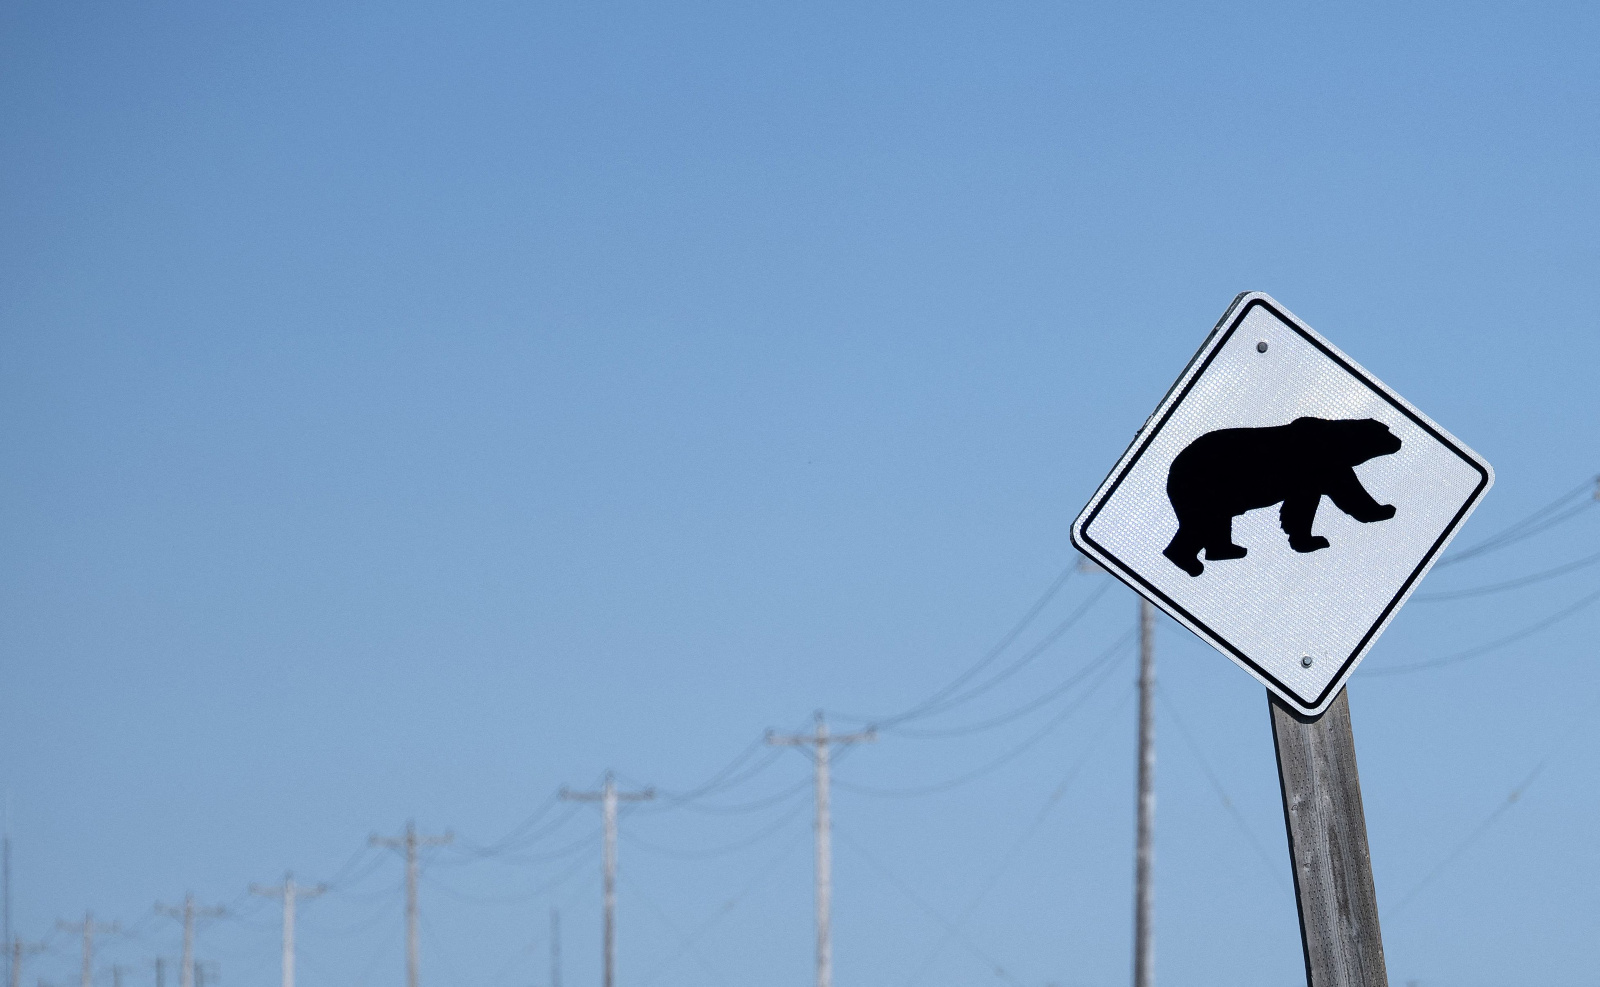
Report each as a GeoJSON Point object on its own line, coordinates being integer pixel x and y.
{"type": "Point", "coordinates": [1281, 502]}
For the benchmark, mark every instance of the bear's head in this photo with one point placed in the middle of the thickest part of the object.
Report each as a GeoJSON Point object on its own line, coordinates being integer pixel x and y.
{"type": "Point", "coordinates": [1360, 439]}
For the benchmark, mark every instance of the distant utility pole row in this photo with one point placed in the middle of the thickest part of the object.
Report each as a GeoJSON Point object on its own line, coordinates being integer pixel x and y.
{"type": "Point", "coordinates": [818, 744]}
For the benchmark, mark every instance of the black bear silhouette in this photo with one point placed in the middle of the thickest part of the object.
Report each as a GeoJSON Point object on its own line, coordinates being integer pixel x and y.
{"type": "Point", "coordinates": [1225, 473]}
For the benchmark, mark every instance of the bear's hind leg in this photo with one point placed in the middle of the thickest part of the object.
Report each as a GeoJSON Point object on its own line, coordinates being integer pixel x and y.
{"type": "Point", "coordinates": [1184, 550]}
{"type": "Point", "coordinates": [1296, 516]}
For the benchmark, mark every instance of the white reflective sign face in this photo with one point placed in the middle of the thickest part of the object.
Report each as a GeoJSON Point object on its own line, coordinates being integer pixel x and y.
{"type": "Point", "coordinates": [1281, 502]}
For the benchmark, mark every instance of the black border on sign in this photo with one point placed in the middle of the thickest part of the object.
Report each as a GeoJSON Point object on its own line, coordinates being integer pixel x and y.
{"type": "Point", "coordinates": [1372, 385]}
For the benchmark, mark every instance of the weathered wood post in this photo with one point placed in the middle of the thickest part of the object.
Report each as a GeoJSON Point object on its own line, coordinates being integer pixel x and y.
{"type": "Point", "coordinates": [1328, 846]}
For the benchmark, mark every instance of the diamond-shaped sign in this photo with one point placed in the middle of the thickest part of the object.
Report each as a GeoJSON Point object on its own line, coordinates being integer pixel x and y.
{"type": "Point", "coordinates": [1281, 502]}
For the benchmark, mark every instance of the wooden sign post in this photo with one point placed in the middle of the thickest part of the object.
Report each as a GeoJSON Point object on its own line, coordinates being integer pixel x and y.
{"type": "Point", "coordinates": [1328, 845]}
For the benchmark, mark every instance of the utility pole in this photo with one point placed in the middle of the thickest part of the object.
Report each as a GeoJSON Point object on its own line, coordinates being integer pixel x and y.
{"type": "Point", "coordinates": [608, 797]}
{"type": "Point", "coordinates": [408, 843]}
{"type": "Point", "coordinates": [555, 947]}
{"type": "Point", "coordinates": [1144, 953]}
{"type": "Point", "coordinates": [822, 742]}
{"type": "Point", "coordinates": [187, 914]}
{"type": "Point", "coordinates": [1144, 853]}
{"type": "Point", "coordinates": [288, 891]}
{"type": "Point", "coordinates": [161, 972]}
{"type": "Point", "coordinates": [5, 877]}
{"type": "Point", "coordinates": [89, 928]}
{"type": "Point", "coordinates": [16, 949]}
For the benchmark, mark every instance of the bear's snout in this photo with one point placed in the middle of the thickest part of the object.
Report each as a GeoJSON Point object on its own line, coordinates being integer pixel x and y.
{"type": "Point", "coordinates": [1389, 443]}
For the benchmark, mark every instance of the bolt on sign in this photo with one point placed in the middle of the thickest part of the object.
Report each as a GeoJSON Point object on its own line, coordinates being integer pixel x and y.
{"type": "Point", "coordinates": [1281, 502]}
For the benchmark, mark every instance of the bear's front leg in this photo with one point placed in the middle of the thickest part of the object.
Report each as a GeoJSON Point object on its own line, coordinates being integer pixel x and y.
{"type": "Point", "coordinates": [1296, 516]}
{"type": "Point", "coordinates": [1350, 496]}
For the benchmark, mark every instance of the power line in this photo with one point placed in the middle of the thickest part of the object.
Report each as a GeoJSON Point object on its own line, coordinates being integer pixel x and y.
{"type": "Point", "coordinates": [884, 722]}
{"type": "Point", "coordinates": [1216, 786]}
{"type": "Point", "coordinates": [522, 952]}
{"type": "Point", "coordinates": [726, 848]}
{"type": "Point", "coordinates": [1539, 521]}
{"type": "Point", "coordinates": [687, 944]}
{"type": "Point", "coordinates": [366, 974]}
{"type": "Point", "coordinates": [512, 839]}
{"type": "Point", "coordinates": [337, 880]}
{"type": "Point", "coordinates": [762, 874]}
{"type": "Point", "coordinates": [361, 925]}
{"type": "Point", "coordinates": [524, 859]}
{"type": "Point", "coordinates": [451, 974]}
{"type": "Point", "coordinates": [1044, 699]}
{"type": "Point", "coordinates": [383, 893]}
{"type": "Point", "coordinates": [1030, 741]}
{"type": "Point", "coordinates": [1471, 838]}
{"type": "Point", "coordinates": [538, 892]}
{"type": "Point", "coordinates": [756, 805]}
{"type": "Point", "coordinates": [1016, 848]}
{"type": "Point", "coordinates": [1528, 580]}
{"type": "Point", "coordinates": [1483, 649]}
{"type": "Point", "coordinates": [720, 780]}
{"type": "Point", "coordinates": [951, 929]}
{"type": "Point", "coordinates": [1027, 656]}
{"type": "Point", "coordinates": [724, 779]}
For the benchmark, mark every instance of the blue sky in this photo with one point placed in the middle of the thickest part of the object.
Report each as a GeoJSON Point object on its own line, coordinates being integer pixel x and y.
{"type": "Point", "coordinates": [410, 409]}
